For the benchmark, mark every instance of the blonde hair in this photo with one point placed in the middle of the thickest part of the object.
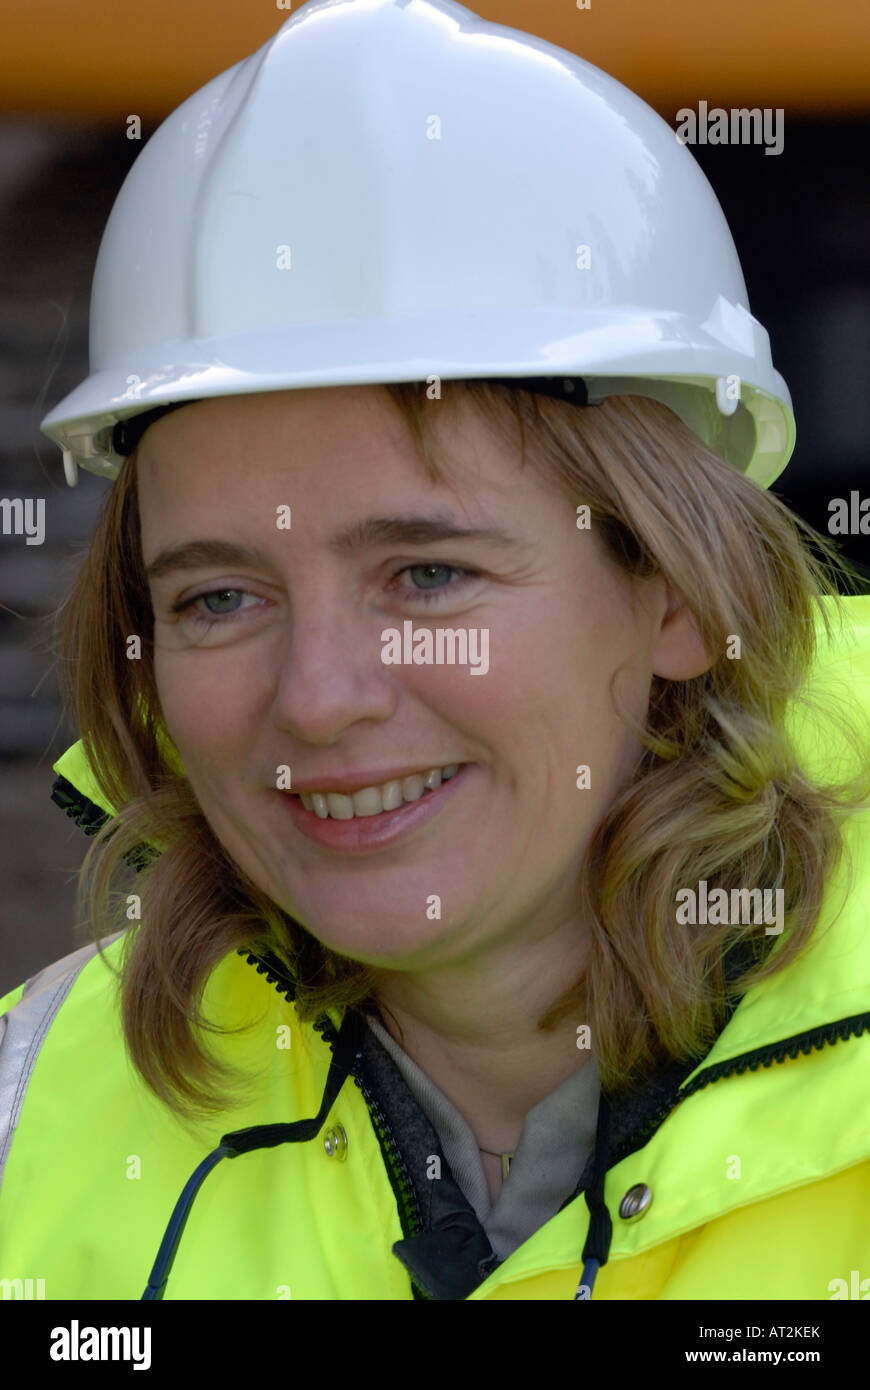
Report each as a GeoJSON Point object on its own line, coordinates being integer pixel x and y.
{"type": "Point", "coordinates": [719, 794]}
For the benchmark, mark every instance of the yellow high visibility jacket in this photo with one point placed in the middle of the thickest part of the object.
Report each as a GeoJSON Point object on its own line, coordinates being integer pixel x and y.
{"type": "Point", "coordinates": [743, 1176]}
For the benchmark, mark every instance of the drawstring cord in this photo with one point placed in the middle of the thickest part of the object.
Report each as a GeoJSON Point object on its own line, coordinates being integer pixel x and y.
{"type": "Point", "coordinates": [256, 1137]}
{"type": "Point", "coordinates": [600, 1233]}
{"type": "Point", "coordinates": [595, 1250]}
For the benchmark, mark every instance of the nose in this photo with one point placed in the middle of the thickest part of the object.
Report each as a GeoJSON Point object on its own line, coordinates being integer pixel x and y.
{"type": "Point", "coordinates": [331, 675]}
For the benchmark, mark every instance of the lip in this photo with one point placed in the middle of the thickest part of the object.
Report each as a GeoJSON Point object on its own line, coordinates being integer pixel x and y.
{"type": "Point", "coordinates": [368, 834]}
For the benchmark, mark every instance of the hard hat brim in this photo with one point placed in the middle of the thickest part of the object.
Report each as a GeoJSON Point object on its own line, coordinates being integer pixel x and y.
{"type": "Point", "coordinates": [615, 352]}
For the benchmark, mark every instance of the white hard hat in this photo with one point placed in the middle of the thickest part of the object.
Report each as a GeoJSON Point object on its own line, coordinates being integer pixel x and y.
{"type": "Point", "coordinates": [391, 192]}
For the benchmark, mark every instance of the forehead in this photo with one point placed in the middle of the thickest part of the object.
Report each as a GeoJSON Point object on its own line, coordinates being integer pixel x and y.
{"type": "Point", "coordinates": [330, 450]}
{"type": "Point", "coordinates": [289, 422]}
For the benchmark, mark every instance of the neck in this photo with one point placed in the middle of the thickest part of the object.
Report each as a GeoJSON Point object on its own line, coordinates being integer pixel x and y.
{"type": "Point", "coordinates": [475, 1035]}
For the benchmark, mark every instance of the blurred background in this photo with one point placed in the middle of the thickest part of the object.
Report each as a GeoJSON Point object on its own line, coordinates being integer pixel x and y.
{"type": "Point", "coordinates": [72, 75]}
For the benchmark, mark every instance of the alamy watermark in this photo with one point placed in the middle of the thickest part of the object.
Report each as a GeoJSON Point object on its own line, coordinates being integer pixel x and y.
{"type": "Point", "coordinates": [22, 1288]}
{"type": "Point", "coordinates": [850, 518]}
{"type": "Point", "coordinates": [721, 127]}
{"type": "Point", "coordinates": [75, 1343]}
{"type": "Point", "coordinates": [445, 646]}
{"type": "Point", "coordinates": [718, 907]}
{"type": "Point", "coordinates": [18, 518]}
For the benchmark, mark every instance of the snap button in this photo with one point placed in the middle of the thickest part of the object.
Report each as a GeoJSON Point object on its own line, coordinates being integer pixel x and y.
{"type": "Point", "coordinates": [335, 1142]}
{"type": "Point", "coordinates": [635, 1202]}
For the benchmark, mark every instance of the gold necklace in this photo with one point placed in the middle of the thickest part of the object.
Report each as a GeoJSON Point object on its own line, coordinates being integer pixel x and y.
{"type": "Point", "coordinates": [505, 1161]}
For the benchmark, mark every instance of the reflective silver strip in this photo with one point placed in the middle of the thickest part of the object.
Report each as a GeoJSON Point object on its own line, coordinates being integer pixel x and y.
{"type": "Point", "coordinates": [22, 1032]}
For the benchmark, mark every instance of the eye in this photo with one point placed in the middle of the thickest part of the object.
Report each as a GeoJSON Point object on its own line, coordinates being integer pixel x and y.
{"type": "Point", "coordinates": [435, 581]}
{"type": "Point", "coordinates": [225, 601]}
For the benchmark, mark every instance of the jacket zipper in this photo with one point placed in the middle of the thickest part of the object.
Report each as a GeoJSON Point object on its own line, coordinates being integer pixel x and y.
{"type": "Point", "coordinates": [814, 1039]}
{"type": "Point", "coordinates": [409, 1210]}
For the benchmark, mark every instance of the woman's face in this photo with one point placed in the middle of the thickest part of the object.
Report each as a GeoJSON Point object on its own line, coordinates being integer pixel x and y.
{"type": "Point", "coordinates": [285, 671]}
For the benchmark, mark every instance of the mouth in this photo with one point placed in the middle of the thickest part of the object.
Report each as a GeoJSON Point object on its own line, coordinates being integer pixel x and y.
{"type": "Point", "coordinates": [374, 800]}
{"type": "Point", "coordinates": [388, 814]}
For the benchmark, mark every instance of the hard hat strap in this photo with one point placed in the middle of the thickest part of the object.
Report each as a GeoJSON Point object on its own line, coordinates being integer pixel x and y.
{"type": "Point", "coordinates": [571, 388]}
{"type": "Point", "coordinates": [127, 433]}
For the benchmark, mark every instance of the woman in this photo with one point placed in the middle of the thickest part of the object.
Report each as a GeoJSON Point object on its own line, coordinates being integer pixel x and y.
{"type": "Point", "coordinates": [443, 671]}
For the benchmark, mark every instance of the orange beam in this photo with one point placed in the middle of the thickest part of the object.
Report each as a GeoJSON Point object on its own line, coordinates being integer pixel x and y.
{"type": "Point", "coordinates": [96, 59]}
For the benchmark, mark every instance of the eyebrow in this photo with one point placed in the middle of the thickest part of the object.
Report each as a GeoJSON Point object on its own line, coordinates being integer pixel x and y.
{"type": "Point", "coordinates": [412, 530]}
{"type": "Point", "coordinates": [360, 535]}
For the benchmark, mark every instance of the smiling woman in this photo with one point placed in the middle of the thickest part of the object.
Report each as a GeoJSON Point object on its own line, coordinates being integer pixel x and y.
{"type": "Point", "coordinates": [586, 633]}
{"type": "Point", "coordinates": [490, 1004]}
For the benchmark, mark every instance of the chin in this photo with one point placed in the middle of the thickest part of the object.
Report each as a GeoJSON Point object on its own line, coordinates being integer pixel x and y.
{"type": "Point", "coordinates": [366, 936]}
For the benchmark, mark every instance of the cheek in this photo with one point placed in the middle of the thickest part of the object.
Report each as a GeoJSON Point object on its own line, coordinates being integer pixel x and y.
{"type": "Point", "coordinates": [558, 690]}
{"type": "Point", "coordinates": [550, 663]}
{"type": "Point", "coordinates": [207, 707]}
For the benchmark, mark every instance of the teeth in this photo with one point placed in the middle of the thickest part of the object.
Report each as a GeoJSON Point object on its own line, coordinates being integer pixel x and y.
{"type": "Point", "coordinates": [340, 807]}
{"type": "Point", "coordinates": [413, 788]}
{"type": "Point", "coordinates": [366, 803]}
{"type": "Point", "coordinates": [370, 801]}
{"type": "Point", "coordinates": [391, 795]}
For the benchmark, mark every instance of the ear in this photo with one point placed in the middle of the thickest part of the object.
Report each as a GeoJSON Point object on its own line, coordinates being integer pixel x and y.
{"type": "Point", "coordinates": [679, 653]}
